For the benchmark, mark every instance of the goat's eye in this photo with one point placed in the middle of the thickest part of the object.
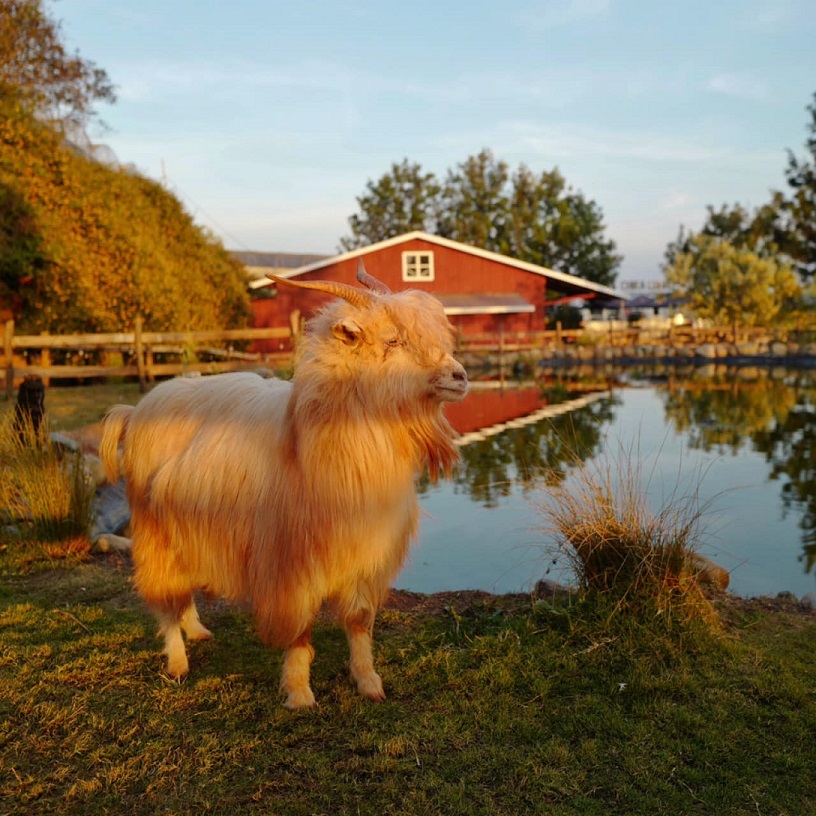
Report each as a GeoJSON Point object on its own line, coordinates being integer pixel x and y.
{"type": "Point", "coordinates": [394, 342]}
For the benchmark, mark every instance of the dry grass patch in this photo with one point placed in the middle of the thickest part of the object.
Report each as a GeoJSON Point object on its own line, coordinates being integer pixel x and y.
{"type": "Point", "coordinates": [644, 561]}
{"type": "Point", "coordinates": [44, 495]}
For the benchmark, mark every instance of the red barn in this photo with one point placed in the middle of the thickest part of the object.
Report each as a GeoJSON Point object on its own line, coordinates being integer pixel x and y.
{"type": "Point", "coordinates": [480, 290]}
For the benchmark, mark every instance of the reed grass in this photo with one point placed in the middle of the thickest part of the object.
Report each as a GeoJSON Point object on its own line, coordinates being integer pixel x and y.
{"type": "Point", "coordinates": [45, 495]}
{"type": "Point", "coordinates": [639, 560]}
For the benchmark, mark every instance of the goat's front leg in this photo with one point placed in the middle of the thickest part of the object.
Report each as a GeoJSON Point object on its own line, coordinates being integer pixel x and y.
{"type": "Point", "coordinates": [359, 628]}
{"type": "Point", "coordinates": [295, 677]}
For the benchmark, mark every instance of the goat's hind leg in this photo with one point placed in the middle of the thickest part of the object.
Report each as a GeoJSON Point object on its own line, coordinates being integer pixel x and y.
{"type": "Point", "coordinates": [193, 628]}
{"type": "Point", "coordinates": [171, 612]}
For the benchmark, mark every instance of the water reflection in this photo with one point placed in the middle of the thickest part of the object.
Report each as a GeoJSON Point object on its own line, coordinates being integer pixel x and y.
{"type": "Point", "coordinates": [545, 451]}
{"type": "Point", "coordinates": [751, 432]}
{"type": "Point", "coordinates": [775, 417]}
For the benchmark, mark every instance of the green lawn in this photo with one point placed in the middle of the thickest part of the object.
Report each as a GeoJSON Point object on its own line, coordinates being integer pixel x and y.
{"type": "Point", "coordinates": [504, 706]}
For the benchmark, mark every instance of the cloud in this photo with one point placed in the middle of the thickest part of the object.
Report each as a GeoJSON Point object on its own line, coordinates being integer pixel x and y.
{"type": "Point", "coordinates": [739, 85]}
{"type": "Point", "coordinates": [676, 200]}
{"type": "Point", "coordinates": [558, 13]}
{"type": "Point", "coordinates": [567, 141]}
{"type": "Point", "coordinates": [772, 15]}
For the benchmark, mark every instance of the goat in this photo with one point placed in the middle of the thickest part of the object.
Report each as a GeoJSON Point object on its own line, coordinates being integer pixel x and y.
{"type": "Point", "coordinates": [288, 494]}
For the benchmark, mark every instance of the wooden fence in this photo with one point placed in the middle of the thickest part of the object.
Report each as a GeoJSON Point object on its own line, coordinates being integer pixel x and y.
{"type": "Point", "coordinates": [133, 354]}
{"type": "Point", "coordinates": [147, 355]}
{"type": "Point", "coordinates": [510, 343]}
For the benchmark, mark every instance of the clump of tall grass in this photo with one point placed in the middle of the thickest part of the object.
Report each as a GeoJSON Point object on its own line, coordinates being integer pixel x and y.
{"type": "Point", "coordinates": [44, 496]}
{"type": "Point", "coordinates": [639, 561]}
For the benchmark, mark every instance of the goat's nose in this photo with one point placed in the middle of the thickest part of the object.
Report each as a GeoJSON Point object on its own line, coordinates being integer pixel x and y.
{"type": "Point", "coordinates": [460, 375]}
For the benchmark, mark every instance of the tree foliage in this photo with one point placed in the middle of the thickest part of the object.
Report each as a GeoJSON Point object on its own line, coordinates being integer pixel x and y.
{"type": "Point", "coordinates": [36, 67]}
{"type": "Point", "coordinates": [783, 228]}
{"type": "Point", "coordinates": [799, 211]}
{"type": "Point", "coordinates": [726, 283]}
{"type": "Point", "coordinates": [533, 217]}
{"type": "Point", "coordinates": [84, 247]}
{"type": "Point", "coordinates": [401, 201]}
{"type": "Point", "coordinates": [474, 207]}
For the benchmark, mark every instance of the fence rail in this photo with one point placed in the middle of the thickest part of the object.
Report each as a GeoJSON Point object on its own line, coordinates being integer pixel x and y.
{"type": "Point", "coordinates": [613, 335]}
{"type": "Point", "coordinates": [133, 354]}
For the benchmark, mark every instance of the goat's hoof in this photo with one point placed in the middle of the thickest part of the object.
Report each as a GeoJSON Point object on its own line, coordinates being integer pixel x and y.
{"type": "Point", "coordinates": [178, 672]}
{"type": "Point", "coordinates": [299, 698]}
{"type": "Point", "coordinates": [370, 686]}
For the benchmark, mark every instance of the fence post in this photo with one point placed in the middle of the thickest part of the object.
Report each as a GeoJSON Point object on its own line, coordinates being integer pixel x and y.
{"type": "Point", "coordinates": [558, 338]}
{"type": "Point", "coordinates": [45, 362]}
{"type": "Point", "coordinates": [7, 351]}
{"type": "Point", "coordinates": [140, 363]}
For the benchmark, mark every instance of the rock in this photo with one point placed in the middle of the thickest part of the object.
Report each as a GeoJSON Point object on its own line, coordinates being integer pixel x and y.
{"type": "Point", "coordinates": [111, 543]}
{"type": "Point", "coordinates": [708, 572]}
{"type": "Point", "coordinates": [809, 600]}
{"type": "Point", "coordinates": [747, 349]}
{"type": "Point", "coordinates": [707, 371]}
{"type": "Point", "coordinates": [111, 510]}
{"type": "Point", "coordinates": [708, 351]}
{"type": "Point", "coordinates": [553, 592]}
{"type": "Point", "coordinates": [778, 349]}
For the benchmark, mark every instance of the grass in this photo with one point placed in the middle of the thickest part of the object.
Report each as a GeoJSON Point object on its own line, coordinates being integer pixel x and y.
{"type": "Point", "coordinates": [504, 706]}
{"type": "Point", "coordinates": [74, 407]}
{"type": "Point", "coordinates": [507, 705]}
{"type": "Point", "coordinates": [640, 561]}
{"type": "Point", "coordinates": [44, 495]}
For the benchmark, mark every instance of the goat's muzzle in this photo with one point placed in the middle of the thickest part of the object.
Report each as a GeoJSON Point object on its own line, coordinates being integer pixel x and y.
{"type": "Point", "coordinates": [451, 383]}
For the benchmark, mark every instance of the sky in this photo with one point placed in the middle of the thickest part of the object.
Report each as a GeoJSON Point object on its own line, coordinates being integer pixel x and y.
{"type": "Point", "coordinates": [268, 119]}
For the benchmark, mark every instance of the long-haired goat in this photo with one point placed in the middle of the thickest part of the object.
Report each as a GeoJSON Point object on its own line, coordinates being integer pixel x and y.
{"type": "Point", "coordinates": [284, 495]}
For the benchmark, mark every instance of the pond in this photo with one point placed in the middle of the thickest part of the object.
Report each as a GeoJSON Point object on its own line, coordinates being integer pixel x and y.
{"type": "Point", "coordinates": [739, 443]}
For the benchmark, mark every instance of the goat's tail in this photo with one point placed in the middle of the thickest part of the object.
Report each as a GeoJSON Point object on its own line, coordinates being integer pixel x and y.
{"type": "Point", "coordinates": [115, 425]}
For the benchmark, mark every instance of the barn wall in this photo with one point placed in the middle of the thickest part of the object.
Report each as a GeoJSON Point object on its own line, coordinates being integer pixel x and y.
{"type": "Point", "coordinates": [454, 273]}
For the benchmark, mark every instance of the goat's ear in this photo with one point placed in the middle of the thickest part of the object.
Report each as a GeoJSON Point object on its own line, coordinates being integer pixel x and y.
{"type": "Point", "coordinates": [348, 331]}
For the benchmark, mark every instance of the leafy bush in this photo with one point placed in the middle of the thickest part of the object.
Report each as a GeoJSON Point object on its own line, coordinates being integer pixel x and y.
{"type": "Point", "coordinates": [84, 247]}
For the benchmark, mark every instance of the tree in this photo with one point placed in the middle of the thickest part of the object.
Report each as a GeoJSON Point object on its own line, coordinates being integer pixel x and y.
{"type": "Point", "coordinates": [401, 201]}
{"type": "Point", "coordinates": [554, 226]}
{"type": "Point", "coordinates": [474, 207]}
{"type": "Point", "coordinates": [36, 67]}
{"type": "Point", "coordinates": [534, 218]}
{"type": "Point", "coordinates": [725, 283]}
{"type": "Point", "coordinates": [783, 228]}
{"type": "Point", "coordinates": [800, 209]}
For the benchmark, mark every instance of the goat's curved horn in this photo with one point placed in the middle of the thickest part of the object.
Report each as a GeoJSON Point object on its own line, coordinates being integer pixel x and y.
{"type": "Point", "coordinates": [356, 297]}
{"type": "Point", "coordinates": [369, 281]}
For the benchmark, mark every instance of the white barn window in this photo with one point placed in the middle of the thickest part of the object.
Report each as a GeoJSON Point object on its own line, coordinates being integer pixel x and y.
{"type": "Point", "coordinates": [417, 266]}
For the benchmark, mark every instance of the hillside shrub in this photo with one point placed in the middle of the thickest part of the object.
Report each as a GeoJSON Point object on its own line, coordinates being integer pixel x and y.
{"type": "Point", "coordinates": [87, 247]}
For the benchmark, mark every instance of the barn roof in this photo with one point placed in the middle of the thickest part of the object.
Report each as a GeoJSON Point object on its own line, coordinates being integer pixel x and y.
{"type": "Point", "coordinates": [259, 264]}
{"type": "Point", "coordinates": [567, 284]}
{"type": "Point", "coordinates": [510, 303]}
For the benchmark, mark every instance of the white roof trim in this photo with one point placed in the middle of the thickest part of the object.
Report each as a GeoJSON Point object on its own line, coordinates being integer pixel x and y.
{"type": "Point", "coordinates": [574, 280]}
{"type": "Point", "coordinates": [469, 310]}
